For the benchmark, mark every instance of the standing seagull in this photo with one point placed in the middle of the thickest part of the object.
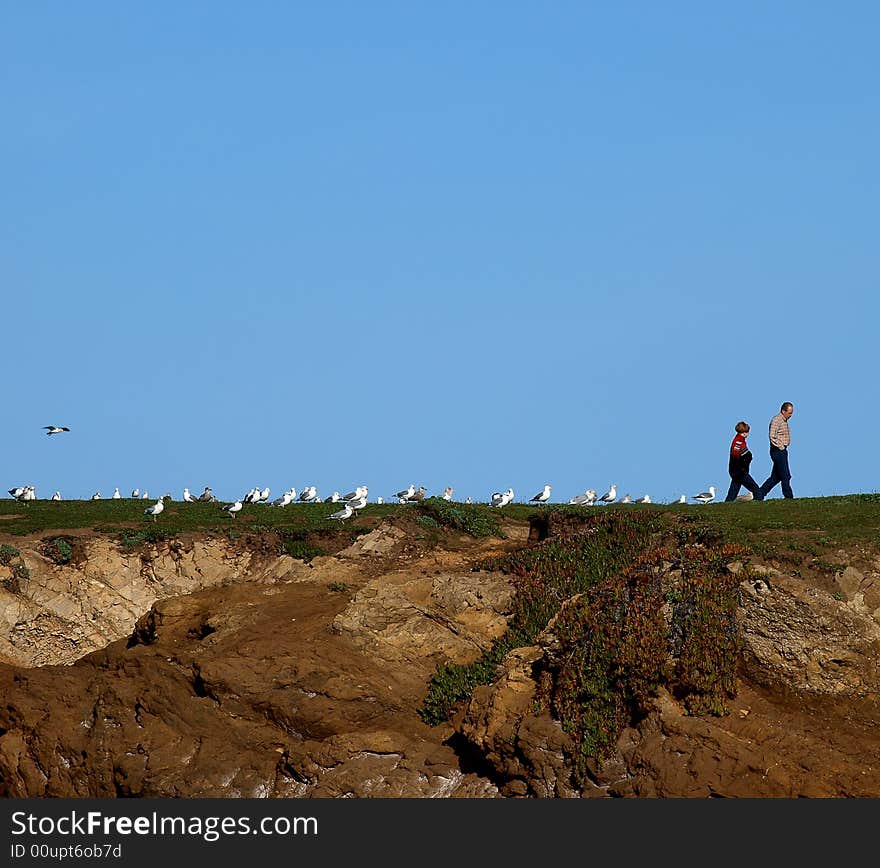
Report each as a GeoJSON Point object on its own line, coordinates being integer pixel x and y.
{"type": "Point", "coordinates": [56, 496]}
{"type": "Point", "coordinates": [233, 508]}
{"type": "Point", "coordinates": [542, 496]}
{"type": "Point", "coordinates": [116, 494]}
{"type": "Point", "coordinates": [406, 494]}
{"type": "Point", "coordinates": [611, 495]}
{"type": "Point", "coordinates": [207, 496]}
{"type": "Point", "coordinates": [500, 499]}
{"type": "Point", "coordinates": [187, 496]}
{"type": "Point", "coordinates": [705, 496]}
{"type": "Point", "coordinates": [157, 507]}
{"type": "Point", "coordinates": [347, 511]}
{"type": "Point", "coordinates": [588, 498]}
{"type": "Point", "coordinates": [135, 492]}
{"type": "Point", "coordinates": [447, 492]}
{"type": "Point", "coordinates": [418, 495]}
{"type": "Point", "coordinates": [54, 429]}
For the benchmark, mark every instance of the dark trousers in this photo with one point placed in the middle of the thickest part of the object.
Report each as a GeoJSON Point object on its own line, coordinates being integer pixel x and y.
{"type": "Point", "coordinates": [737, 480]}
{"type": "Point", "coordinates": [780, 473]}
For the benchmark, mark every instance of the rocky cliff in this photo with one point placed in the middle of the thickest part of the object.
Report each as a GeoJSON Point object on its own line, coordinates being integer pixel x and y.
{"type": "Point", "coordinates": [203, 667]}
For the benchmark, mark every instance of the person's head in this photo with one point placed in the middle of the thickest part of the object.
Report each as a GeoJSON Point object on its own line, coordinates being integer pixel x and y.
{"type": "Point", "coordinates": [742, 428]}
{"type": "Point", "coordinates": [787, 409]}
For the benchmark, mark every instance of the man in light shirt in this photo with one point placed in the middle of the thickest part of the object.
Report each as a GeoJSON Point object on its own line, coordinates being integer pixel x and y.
{"type": "Point", "coordinates": [780, 439]}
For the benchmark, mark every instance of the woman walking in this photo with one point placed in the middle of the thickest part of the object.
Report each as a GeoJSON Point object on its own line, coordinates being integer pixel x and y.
{"type": "Point", "coordinates": [738, 467]}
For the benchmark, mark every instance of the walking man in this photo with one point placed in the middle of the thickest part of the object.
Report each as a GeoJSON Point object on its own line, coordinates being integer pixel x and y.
{"type": "Point", "coordinates": [780, 438]}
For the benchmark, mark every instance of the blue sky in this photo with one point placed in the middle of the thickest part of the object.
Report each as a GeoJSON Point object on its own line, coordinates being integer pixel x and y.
{"type": "Point", "coordinates": [480, 245]}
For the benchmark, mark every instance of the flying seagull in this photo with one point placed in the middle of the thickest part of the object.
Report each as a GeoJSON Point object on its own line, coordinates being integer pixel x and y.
{"type": "Point", "coordinates": [705, 496]}
{"type": "Point", "coordinates": [542, 496]}
{"type": "Point", "coordinates": [54, 429]}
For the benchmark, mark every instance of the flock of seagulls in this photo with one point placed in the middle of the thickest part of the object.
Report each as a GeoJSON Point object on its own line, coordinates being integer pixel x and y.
{"type": "Point", "coordinates": [358, 499]}
{"type": "Point", "coordinates": [353, 500]}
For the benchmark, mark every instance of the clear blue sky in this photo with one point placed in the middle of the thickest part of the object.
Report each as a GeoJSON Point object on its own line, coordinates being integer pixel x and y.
{"type": "Point", "coordinates": [470, 244]}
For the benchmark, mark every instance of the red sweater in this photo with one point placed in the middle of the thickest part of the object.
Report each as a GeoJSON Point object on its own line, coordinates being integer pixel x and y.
{"type": "Point", "coordinates": [739, 446]}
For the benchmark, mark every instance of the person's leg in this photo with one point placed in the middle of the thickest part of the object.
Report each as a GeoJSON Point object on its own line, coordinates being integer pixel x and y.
{"type": "Point", "coordinates": [770, 482]}
{"type": "Point", "coordinates": [733, 491]}
{"type": "Point", "coordinates": [752, 486]}
{"type": "Point", "coordinates": [784, 473]}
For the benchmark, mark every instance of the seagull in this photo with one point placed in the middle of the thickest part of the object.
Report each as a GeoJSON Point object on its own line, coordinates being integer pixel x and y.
{"type": "Point", "coordinates": [24, 493]}
{"type": "Point", "coordinates": [406, 494]}
{"type": "Point", "coordinates": [357, 503]}
{"type": "Point", "coordinates": [626, 499]}
{"type": "Point", "coordinates": [447, 493]}
{"type": "Point", "coordinates": [347, 511]}
{"type": "Point", "coordinates": [116, 494]}
{"type": "Point", "coordinates": [206, 496]}
{"type": "Point", "coordinates": [18, 493]}
{"type": "Point", "coordinates": [187, 496]}
{"type": "Point", "coordinates": [705, 496]}
{"type": "Point", "coordinates": [157, 507]}
{"type": "Point", "coordinates": [308, 494]}
{"type": "Point", "coordinates": [263, 496]}
{"type": "Point", "coordinates": [588, 498]}
{"type": "Point", "coordinates": [285, 498]}
{"type": "Point", "coordinates": [335, 497]}
{"type": "Point", "coordinates": [54, 429]}
{"type": "Point", "coordinates": [56, 496]}
{"type": "Point", "coordinates": [380, 499]}
{"type": "Point", "coordinates": [542, 496]}
{"type": "Point", "coordinates": [645, 499]}
{"type": "Point", "coordinates": [136, 492]}
{"type": "Point", "coordinates": [360, 492]}
{"type": "Point", "coordinates": [681, 499]}
{"type": "Point", "coordinates": [469, 499]}
{"type": "Point", "coordinates": [145, 495]}
{"type": "Point", "coordinates": [500, 499]}
{"type": "Point", "coordinates": [233, 508]}
{"type": "Point", "coordinates": [96, 495]}
{"type": "Point", "coordinates": [611, 495]}
{"type": "Point", "coordinates": [418, 495]}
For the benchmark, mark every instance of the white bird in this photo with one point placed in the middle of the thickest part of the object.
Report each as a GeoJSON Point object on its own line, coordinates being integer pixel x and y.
{"type": "Point", "coordinates": [136, 492]}
{"type": "Point", "coordinates": [263, 495]}
{"type": "Point", "coordinates": [285, 498]}
{"type": "Point", "coordinates": [705, 496]}
{"type": "Point", "coordinates": [417, 495]}
{"type": "Point", "coordinates": [447, 493]}
{"type": "Point", "coordinates": [468, 499]}
{"type": "Point", "coordinates": [207, 496]}
{"type": "Point", "coordinates": [380, 499]}
{"type": "Point", "coordinates": [54, 429]}
{"type": "Point", "coordinates": [347, 511]}
{"type": "Point", "coordinates": [406, 494]}
{"type": "Point", "coordinates": [588, 498]}
{"type": "Point", "coordinates": [645, 499]}
{"type": "Point", "coordinates": [360, 492]}
{"type": "Point", "coordinates": [188, 497]}
{"type": "Point", "coordinates": [626, 499]}
{"type": "Point", "coordinates": [611, 495]}
{"type": "Point", "coordinates": [145, 495]}
{"type": "Point", "coordinates": [157, 507]}
{"type": "Point", "coordinates": [56, 496]}
{"type": "Point", "coordinates": [233, 508]}
{"type": "Point", "coordinates": [96, 495]}
{"type": "Point", "coordinates": [681, 499]}
{"type": "Point", "coordinates": [308, 494]}
{"type": "Point", "coordinates": [18, 492]}
{"type": "Point", "coordinates": [500, 499]}
{"type": "Point", "coordinates": [542, 496]}
{"type": "Point", "coordinates": [30, 493]}
{"type": "Point", "coordinates": [335, 497]}
{"type": "Point", "coordinates": [357, 502]}
{"type": "Point", "coordinates": [116, 494]}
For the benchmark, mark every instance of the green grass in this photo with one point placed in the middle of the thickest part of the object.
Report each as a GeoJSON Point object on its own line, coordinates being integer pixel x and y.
{"type": "Point", "coordinates": [127, 517]}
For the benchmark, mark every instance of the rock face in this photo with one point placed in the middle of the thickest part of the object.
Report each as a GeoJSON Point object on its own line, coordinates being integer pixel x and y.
{"type": "Point", "coordinates": [797, 743]}
{"type": "Point", "coordinates": [62, 612]}
{"type": "Point", "coordinates": [296, 682]}
{"type": "Point", "coordinates": [217, 671]}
